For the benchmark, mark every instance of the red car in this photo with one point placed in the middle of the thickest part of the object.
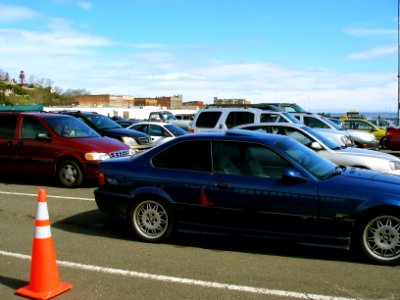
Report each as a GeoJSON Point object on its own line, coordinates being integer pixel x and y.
{"type": "Point", "coordinates": [392, 139]}
{"type": "Point", "coordinates": [48, 144]}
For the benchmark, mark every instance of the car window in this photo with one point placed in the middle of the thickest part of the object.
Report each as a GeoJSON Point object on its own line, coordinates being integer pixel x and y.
{"type": "Point", "coordinates": [208, 119]}
{"type": "Point", "coordinates": [249, 159]}
{"type": "Point", "coordinates": [102, 122]}
{"type": "Point", "coordinates": [31, 127]}
{"type": "Point", "coordinates": [293, 133]}
{"type": "Point", "coordinates": [156, 130]}
{"type": "Point", "coordinates": [187, 155]}
{"type": "Point", "coordinates": [8, 123]}
{"type": "Point", "coordinates": [236, 118]}
{"type": "Point", "coordinates": [141, 127]}
{"type": "Point", "coordinates": [70, 127]}
{"type": "Point", "coordinates": [314, 122]}
{"type": "Point", "coordinates": [362, 125]}
{"type": "Point", "coordinates": [265, 118]}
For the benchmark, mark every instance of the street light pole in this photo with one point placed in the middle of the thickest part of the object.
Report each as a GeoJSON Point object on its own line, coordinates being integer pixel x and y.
{"type": "Point", "coordinates": [398, 63]}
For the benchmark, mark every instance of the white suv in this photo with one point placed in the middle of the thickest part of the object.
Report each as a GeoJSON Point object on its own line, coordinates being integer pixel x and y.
{"type": "Point", "coordinates": [221, 119]}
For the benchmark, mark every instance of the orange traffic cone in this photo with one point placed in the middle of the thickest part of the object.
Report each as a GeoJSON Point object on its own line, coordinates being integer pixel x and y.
{"type": "Point", "coordinates": [44, 281]}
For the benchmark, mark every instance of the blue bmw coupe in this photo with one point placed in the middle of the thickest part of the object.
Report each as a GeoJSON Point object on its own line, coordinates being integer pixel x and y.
{"type": "Point", "coordinates": [254, 184]}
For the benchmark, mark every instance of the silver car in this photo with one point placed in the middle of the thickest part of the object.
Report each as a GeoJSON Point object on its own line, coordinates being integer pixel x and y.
{"type": "Point", "coordinates": [362, 139]}
{"type": "Point", "coordinates": [351, 157]}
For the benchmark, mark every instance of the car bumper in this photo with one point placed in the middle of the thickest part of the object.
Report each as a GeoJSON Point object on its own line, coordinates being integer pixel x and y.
{"type": "Point", "coordinates": [112, 203]}
{"type": "Point", "coordinates": [372, 145]}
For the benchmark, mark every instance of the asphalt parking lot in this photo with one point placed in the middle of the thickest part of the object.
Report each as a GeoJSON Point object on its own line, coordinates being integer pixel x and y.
{"type": "Point", "coordinates": [98, 255]}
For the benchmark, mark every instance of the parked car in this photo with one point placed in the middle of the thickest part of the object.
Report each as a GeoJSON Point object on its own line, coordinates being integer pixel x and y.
{"type": "Point", "coordinates": [392, 139]}
{"type": "Point", "coordinates": [364, 125]}
{"type": "Point", "coordinates": [382, 123]}
{"type": "Point", "coordinates": [168, 117]}
{"type": "Point", "coordinates": [123, 122]}
{"type": "Point", "coordinates": [361, 139]}
{"type": "Point", "coordinates": [223, 118]}
{"type": "Point", "coordinates": [47, 144]}
{"type": "Point", "coordinates": [251, 183]}
{"type": "Point", "coordinates": [326, 147]}
{"type": "Point", "coordinates": [138, 141]}
{"type": "Point", "coordinates": [159, 132]}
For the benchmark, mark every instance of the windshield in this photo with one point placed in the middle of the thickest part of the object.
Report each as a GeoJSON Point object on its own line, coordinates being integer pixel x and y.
{"type": "Point", "coordinates": [168, 116]}
{"type": "Point", "coordinates": [70, 127]}
{"type": "Point", "coordinates": [322, 139]}
{"type": "Point", "coordinates": [176, 130]}
{"type": "Point", "coordinates": [317, 165]}
{"type": "Point", "coordinates": [333, 124]}
{"type": "Point", "coordinates": [102, 122]}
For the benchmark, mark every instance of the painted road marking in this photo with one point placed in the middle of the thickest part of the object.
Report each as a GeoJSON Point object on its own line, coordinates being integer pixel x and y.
{"type": "Point", "coordinates": [186, 281]}
{"type": "Point", "coordinates": [48, 196]}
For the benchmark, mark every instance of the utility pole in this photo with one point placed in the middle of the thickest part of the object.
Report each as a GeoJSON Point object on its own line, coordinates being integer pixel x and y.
{"type": "Point", "coordinates": [398, 63]}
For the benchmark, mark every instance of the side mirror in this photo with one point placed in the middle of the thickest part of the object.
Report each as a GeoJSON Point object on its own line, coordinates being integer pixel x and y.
{"type": "Point", "coordinates": [293, 175]}
{"type": "Point", "coordinates": [316, 146]}
{"type": "Point", "coordinates": [43, 136]}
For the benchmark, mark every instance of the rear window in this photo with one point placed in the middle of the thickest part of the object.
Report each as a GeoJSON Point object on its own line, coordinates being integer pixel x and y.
{"type": "Point", "coordinates": [208, 119]}
{"type": "Point", "coordinates": [7, 126]}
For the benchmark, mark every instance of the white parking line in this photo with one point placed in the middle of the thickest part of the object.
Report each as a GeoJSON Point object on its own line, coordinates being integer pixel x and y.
{"type": "Point", "coordinates": [187, 281]}
{"type": "Point", "coordinates": [48, 196]}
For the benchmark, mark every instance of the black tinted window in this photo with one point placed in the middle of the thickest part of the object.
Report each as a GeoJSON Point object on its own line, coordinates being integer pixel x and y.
{"type": "Point", "coordinates": [31, 127]}
{"type": "Point", "coordinates": [7, 126]}
{"type": "Point", "coordinates": [189, 155]}
{"type": "Point", "coordinates": [236, 118]}
{"type": "Point", "coordinates": [208, 119]}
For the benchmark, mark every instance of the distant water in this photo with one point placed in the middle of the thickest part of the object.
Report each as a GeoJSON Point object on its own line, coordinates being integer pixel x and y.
{"type": "Point", "coordinates": [373, 115]}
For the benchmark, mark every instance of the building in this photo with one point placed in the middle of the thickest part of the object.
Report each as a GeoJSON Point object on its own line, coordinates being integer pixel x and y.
{"type": "Point", "coordinates": [231, 101]}
{"type": "Point", "coordinates": [174, 102]}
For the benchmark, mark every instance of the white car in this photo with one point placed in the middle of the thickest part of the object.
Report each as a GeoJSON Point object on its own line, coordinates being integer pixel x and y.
{"type": "Point", "coordinates": [159, 132]}
{"type": "Point", "coordinates": [346, 156]}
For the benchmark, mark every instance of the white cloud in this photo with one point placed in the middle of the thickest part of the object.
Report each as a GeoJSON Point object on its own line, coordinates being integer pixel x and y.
{"type": "Point", "coordinates": [375, 52]}
{"type": "Point", "coordinates": [10, 13]}
{"type": "Point", "coordinates": [84, 5]}
{"type": "Point", "coordinates": [371, 32]}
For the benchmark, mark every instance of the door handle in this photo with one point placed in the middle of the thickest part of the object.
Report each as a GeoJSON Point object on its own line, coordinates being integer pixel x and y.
{"type": "Point", "coordinates": [19, 145]}
{"type": "Point", "coordinates": [222, 186]}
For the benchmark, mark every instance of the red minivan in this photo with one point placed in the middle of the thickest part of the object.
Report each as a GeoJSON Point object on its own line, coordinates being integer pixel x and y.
{"type": "Point", "coordinates": [48, 144]}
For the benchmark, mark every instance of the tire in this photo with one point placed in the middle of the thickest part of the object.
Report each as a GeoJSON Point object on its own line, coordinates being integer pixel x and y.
{"type": "Point", "coordinates": [69, 174]}
{"type": "Point", "coordinates": [380, 238]}
{"type": "Point", "coordinates": [151, 220]}
{"type": "Point", "coordinates": [382, 143]}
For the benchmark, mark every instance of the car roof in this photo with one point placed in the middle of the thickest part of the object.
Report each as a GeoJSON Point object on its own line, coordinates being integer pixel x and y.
{"type": "Point", "coordinates": [152, 123]}
{"type": "Point", "coordinates": [235, 134]}
{"type": "Point", "coordinates": [41, 114]}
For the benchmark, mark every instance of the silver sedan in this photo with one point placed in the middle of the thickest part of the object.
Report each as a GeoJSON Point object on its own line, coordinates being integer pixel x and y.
{"type": "Point", "coordinates": [159, 132]}
{"type": "Point", "coordinates": [351, 157]}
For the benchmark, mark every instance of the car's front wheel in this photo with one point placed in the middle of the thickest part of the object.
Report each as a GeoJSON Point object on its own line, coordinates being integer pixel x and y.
{"type": "Point", "coordinates": [69, 174]}
{"type": "Point", "coordinates": [151, 220]}
{"type": "Point", "coordinates": [380, 238]}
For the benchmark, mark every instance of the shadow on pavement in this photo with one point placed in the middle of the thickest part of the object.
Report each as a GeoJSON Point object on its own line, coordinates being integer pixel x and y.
{"type": "Point", "coordinates": [95, 223]}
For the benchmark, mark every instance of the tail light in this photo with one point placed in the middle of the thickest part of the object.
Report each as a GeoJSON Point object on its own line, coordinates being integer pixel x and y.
{"type": "Point", "coordinates": [191, 130]}
{"type": "Point", "coordinates": [102, 180]}
{"type": "Point", "coordinates": [390, 132]}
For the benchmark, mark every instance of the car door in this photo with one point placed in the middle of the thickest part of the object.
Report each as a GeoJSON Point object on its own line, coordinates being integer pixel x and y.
{"type": "Point", "coordinates": [8, 125]}
{"type": "Point", "coordinates": [247, 191]}
{"type": "Point", "coordinates": [35, 154]}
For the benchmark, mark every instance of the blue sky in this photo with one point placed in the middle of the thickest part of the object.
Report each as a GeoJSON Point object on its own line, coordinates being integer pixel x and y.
{"type": "Point", "coordinates": [325, 55]}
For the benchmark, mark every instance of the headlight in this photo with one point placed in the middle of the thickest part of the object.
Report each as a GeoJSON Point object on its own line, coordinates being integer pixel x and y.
{"type": "Point", "coordinates": [395, 165]}
{"type": "Point", "coordinates": [346, 140]}
{"type": "Point", "coordinates": [129, 141]}
{"type": "Point", "coordinates": [96, 156]}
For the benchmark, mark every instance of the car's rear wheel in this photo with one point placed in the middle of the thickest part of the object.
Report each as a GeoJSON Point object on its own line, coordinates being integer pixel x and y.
{"type": "Point", "coordinates": [151, 220]}
{"type": "Point", "coordinates": [380, 238]}
{"type": "Point", "coordinates": [382, 143]}
{"type": "Point", "coordinates": [69, 174]}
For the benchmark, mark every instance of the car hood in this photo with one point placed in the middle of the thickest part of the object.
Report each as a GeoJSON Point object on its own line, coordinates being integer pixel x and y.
{"type": "Point", "coordinates": [98, 144]}
{"type": "Point", "coordinates": [365, 136]}
{"type": "Point", "coordinates": [367, 182]}
{"type": "Point", "coordinates": [367, 153]}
